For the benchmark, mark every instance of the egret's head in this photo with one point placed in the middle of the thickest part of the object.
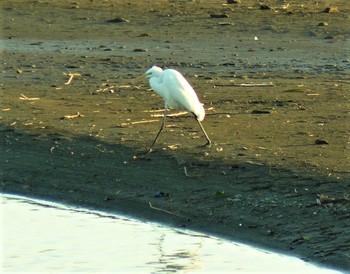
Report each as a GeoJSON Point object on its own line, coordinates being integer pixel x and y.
{"type": "Point", "coordinates": [153, 72]}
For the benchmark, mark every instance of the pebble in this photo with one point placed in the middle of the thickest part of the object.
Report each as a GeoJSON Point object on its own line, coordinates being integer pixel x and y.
{"type": "Point", "coordinates": [219, 15]}
{"type": "Point", "coordinates": [264, 7]}
{"type": "Point", "coordinates": [161, 194]}
{"type": "Point", "coordinates": [331, 10]}
{"type": "Point", "coordinates": [322, 24]}
{"type": "Point", "coordinates": [140, 50]}
{"type": "Point", "coordinates": [257, 111]}
{"type": "Point", "coordinates": [321, 142]}
{"type": "Point", "coordinates": [118, 20]}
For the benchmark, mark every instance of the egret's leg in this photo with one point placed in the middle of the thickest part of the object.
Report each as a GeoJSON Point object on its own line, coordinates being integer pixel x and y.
{"type": "Point", "coordinates": [208, 144]}
{"type": "Point", "coordinates": [160, 130]}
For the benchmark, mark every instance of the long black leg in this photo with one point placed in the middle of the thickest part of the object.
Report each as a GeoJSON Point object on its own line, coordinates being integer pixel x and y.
{"type": "Point", "coordinates": [208, 144]}
{"type": "Point", "coordinates": [160, 130]}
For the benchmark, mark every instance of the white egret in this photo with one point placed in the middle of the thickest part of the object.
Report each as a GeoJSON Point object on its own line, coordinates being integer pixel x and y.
{"type": "Point", "coordinates": [177, 93]}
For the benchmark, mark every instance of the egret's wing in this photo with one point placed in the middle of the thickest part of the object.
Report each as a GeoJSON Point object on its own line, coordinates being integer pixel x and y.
{"type": "Point", "coordinates": [181, 94]}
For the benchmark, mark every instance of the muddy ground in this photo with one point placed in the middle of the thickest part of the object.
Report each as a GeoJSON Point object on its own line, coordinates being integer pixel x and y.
{"type": "Point", "coordinates": [274, 80]}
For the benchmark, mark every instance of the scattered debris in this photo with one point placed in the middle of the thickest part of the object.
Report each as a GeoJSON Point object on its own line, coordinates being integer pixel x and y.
{"type": "Point", "coordinates": [112, 89]}
{"type": "Point", "coordinates": [185, 170]}
{"type": "Point", "coordinates": [154, 110]}
{"type": "Point", "coordinates": [77, 115]}
{"type": "Point", "coordinates": [25, 98]}
{"type": "Point", "coordinates": [234, 1]}
{"type": "Point", "coordinates": [118, 20]}
{"type": "Point", "coordinates": [331, 10]}
{"type": "Point", "coordinates": [321, 142]}
{"type": "Point", "coordinates": [257, 111]}
{"type": "Point", "coordinates": [173, 147]}
{"type": "Point", "coordinates": [313, 94]}
{"type": "Point", "coordinates": [170, 115]}
{"type": "Point", "coordinates": [220, 194]}
{"type": "Point", "coordinates": [129, 87]}
{"type": "Point", "coordinates": [270, 232]}
{"type": "Point", "coordinates": [140, 50]}
{"type": "Point", "coordinates": [161, 194]}
{"type": "Point", "coordinates": [325, 199]}
{"type": "Point", "coordinates": [136, 123]}
{"type": "Point", "coordinates": [294, 90]}
{"type": "Point", "coordinates": [144, 35]}
{"type": "Point", "coordinates": [264, 7]}
{"type": "Point", "coordinates": [195, 175]}
{"type": "Point", "coordinates": [108, 88]}
{"type": "Point", "coordinates": [269, 84]}
{"type": "Point", "coordinates": [168, 212]}
{"type": "Point", "coordinates": [226, 24]}
{"type": "Point", "coordinates": [282, 7]}
{"type": "Point", "coordinates": [306, 237]}
{"type": "Point", "coordinates": [322, 24]}
{"type": "Point", "coordinates": [141, 157]}
{"type": "Point", "coordinates": [223, 15]}
{"type": "Point", "coordinates": [71, 76]}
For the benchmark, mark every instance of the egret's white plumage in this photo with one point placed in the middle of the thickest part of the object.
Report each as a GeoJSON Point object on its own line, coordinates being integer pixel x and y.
{"type": "Point", "coordinates": [177, 93]}
{"type": "Point", "coordinates": [175, 90]}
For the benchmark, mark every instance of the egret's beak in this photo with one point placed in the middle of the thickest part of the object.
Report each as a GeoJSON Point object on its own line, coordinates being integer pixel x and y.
{"type": "Point", "coordinates": [147, 74]}
{"type": "Point", "coordinates": [141, 77]}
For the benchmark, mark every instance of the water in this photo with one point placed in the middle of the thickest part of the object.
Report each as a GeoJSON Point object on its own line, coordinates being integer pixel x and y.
{"type": "Point", "coordinates": [43, 236]}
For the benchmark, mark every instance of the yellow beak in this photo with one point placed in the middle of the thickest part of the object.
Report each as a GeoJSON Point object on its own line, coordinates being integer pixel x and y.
{"type": "Point", "coordinates": [141, 77]}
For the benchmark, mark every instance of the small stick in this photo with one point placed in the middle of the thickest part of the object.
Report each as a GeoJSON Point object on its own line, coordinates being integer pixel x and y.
{"type": "Point", "coordinates": [166, 211]}
{"type": "Point", "coordinates": [109, 89]}
{"type": "Point", "coordinates": [154, 110]}
{"type": "Point", "coordinates": [185, 170]}
{"type": "Point", "coordinates": [189, 175]}
{"type": "Point", "coordinates": [71, 76]}
{"type": "Point", "coordinates": [170, 115]}
{"type": "Point", "coordinates": [129, 86]}
{"type": "Point", "coordinates": [270, 84]}
{"type": "Point", "coordinates": [72, 116]}
{"type": "Point", "coordinates": [136, 123]}
{"type": "Point", "coordinates": [25, 98]}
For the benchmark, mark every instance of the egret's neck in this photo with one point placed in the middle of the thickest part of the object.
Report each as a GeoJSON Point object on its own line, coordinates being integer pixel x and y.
{"type": "Point", "coordinates": [156, 84]}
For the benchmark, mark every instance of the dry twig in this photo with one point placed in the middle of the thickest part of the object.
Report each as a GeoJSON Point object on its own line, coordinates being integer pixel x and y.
{"type": "Point", "coordinates": [136, 123]}
{"type": "Point", "coordinates": [170, 115]}
{"type": "Point", "coordinates": [25, 98]}
{"type": "Point", "coordinates": [77, 115]}
{"type": "Point", "coordinates": [269, 84]}
{"type": "Point", "coordinates": [71, 76]}
{"type": "Point", "coordinates": [166, 211]}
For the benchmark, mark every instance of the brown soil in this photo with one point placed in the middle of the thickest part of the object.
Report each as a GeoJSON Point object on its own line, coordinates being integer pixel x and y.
{"type": "Point", "coordinates": [275, 84]}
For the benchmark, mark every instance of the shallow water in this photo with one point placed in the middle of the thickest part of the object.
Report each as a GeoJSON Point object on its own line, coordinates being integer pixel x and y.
{"type": "Point", "coordinates": [45, 236]}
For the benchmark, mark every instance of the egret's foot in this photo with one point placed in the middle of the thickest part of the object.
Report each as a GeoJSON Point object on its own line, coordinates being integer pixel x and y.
{"type": "Point", "coordinates": [149, 151]}
{"type": "Point", "coordinates": [142, 156]}
{"type": "Point", "coordinates": [207, 145]}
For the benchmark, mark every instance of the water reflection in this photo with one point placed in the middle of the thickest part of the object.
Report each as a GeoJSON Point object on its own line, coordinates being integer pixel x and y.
{"type": "Point", "coordinates": [44, 236]}
{"type": "Point", "coordinates": [173, 257]}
